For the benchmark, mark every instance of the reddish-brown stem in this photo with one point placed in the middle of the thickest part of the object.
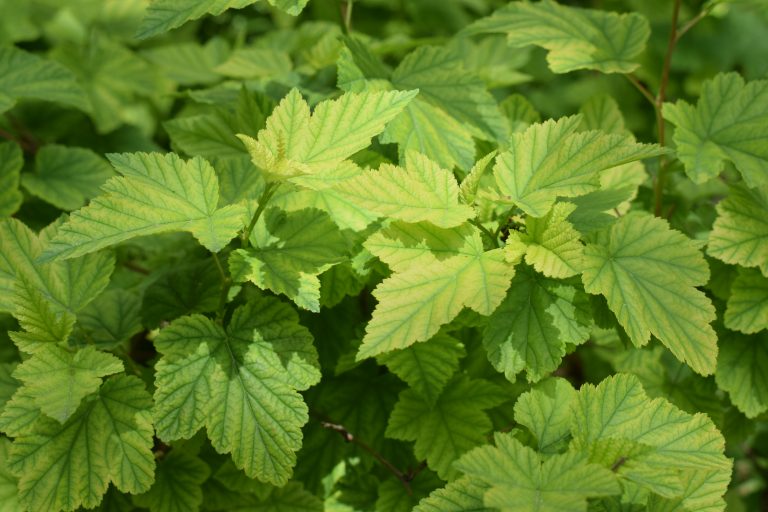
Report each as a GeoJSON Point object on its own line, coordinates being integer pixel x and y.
{"type": "Point", "coordinates": [661, 175]}
{"type": "Point", "coordinates": [404, 477]}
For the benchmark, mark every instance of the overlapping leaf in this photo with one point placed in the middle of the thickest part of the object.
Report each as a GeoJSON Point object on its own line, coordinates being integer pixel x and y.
{"type": "Point", "coordinates": [617, 417]}
{"type": "Point", "coordinates": [453, 425]}
{"type": "Point", "coordinates": [747, 309]}
{"type": "Point", "coordinates": [164, 15]}
{"type": "Point", "coordinates": [419, 298]}
{"type": "Point", "coordinates": [67, 177]}
{"type": "Point", "coordinates": [575, 38]}
{"type": "Point", "coordinates": [741, 371]}
{"type": "Point", "coordinates": [426, 367]}
{"type": "Point", "coordinates": [240, 383]}
{"type": "Point", "coordinates": [11, 162]}
{"type": "Point", "coordinates": [290, 251]}
{"type": "Point", "coordinates": [115, 80]}
{"type": "Point", "coordinates": [108, 439]}
{"type": "Point", "coordinates": [554, 159]}
{"type": "Point", "coordinates": [519, 480]}
{"type": "Point", "coordinates": [740, 233]}
{"type": "Point", "coordinates": [58, 379]}
{"type": "Point", "coordinates": [45, 297]}
{"type": "Point", "coordinates": [421, 191]}
{"type": "Point", "coordinates": [452, 107]}
{"type": "Point", "coordinates": [296, 143]}
{"type": "Point", "coordinates": [461, 495]}
{"type": "Point", "coordinates": [545, 411]}
{"type": "Point", "coordinates": [177, 486]}
{"type": "Point", "coordinates": [530, 329]}
{"type": "Point", "coordinates": [648, 274]}
{"type": "Point", "coordinates": [728, 123]}
{"type": "Point", "coordinates": [550, 243]}
{"type": "Point", "coordinates": [25, 75]}
{"type": "Point", "coordinates": [156, 194]}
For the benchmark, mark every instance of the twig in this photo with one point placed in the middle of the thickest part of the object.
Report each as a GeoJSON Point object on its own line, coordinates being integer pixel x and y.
{"type": "Point", "coordinates": [133, 267]}
{"type": "Point", "coordinates": [661, 175]}
{"type": "Point", "coordinates": [643, 89]}
{"type": "Point", "coordinates": [692, 23]}
{"type": "Point", "coordinates": [405, 478]}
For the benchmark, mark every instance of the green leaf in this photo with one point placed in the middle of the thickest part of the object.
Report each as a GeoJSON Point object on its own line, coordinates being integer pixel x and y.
{"type": "Point", "coordinates": [426, 367]}
{"type": "Point", "coordinates": [66, 177]}
{"type": "Point", "coordinates": [240, 383]}
{"type": "Point", "coordinates": [253, 63]}
{"type": "Point", "coordinates": [453, 425]}
{"type": "Point", "coordinates": [747, 309]}
{"type": "Point", "coordinates": [740, 233]}
{"type": "Point", "coordinates": [295, 143]}
{"type": "Point", "coordinates": [462, 495]}
{"type": "Point", "coordinates": [648, 274]}
{"type": "Point", "coordinates": [545, 411]}
{"type": "Point", "coordinates": [422, 191]}
{"type": "Point", "coordinates": [531, 327]}
{"type": "Point", "coordinates": [165, 15]}
{"type": "Point", "coordinates": [521, 481]}
{"type": "Point", "coordinates": [431, 131]}
{"type": "Point", "coordinates": [57, 379]}
{"type": "Point", "coordinates": [44, 323]}
{"type": "Point", "coordinates": [290, 498]}
{"type": "Point", "coordinates": [416, 301]}
{"type": "Point", "coordinates": [290, 251]}
{"type": "Point", "coordinates": [519, 112]}
{"type": "Point", "coordinates": [452, 106]}
{"type": "Point", "coordinates": [113, 77]}
{"type": "Point", "coordinates": [575, 38]}
{"type": "Point", "coordinates": [11, 162]}
{"type": "Point", "coordinates": [186, 288]}
{"type": "Point", "coordinates": [156, 194]}
{"type": "Point", "coordinates": [403, 246]}
{"type": "Point", "coordinates": [189, 63]}
{"type": "Point", "coordinates": [471, 183]}
{"type": "Point", "coordinates": [9, 500]}
{"type": "Point", "coordinates": [438, 74]}
{"type": "Point", "coordinates": [741, 371]}
{"type": "Point", "coordinates": [728, 123]}
{"type": "Point", "coordinates": [24, 75]}
{"type": "Point", "coordinates": [177, 488]}
{"type": "Point", "coordinates": [554, 159]}
{"type": "Point", "coordinates": [618, 409]}
{"type": "Point", "coordinates": [109, 321]}
{"type": "Point", "coordinates": [45, 297]}
{"type": "Point", "coordinates": [551, 244]}
{"type": "Point", "coordinates": [108, 439]}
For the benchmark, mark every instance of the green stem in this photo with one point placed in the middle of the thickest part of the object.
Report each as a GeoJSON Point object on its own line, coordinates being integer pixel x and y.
{"type": "Point", "coordinates": [485, 231]}
{"type": "Point", "coordinates": [226, 285]}
{"type": "Point", "coordinates": [348, 15]}
{"type": "Point", "coordinates": [269, 191]}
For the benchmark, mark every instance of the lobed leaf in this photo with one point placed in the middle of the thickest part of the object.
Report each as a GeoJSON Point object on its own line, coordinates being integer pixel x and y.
{"type": "Point", "coordinates": [648, 274]}
{"type": "Point", "coordinates": [554, 159]}
{"type": "Point", "coordinates": [575, 38]}
{"type": "Point", "coordinates": [422, 191]}
{"type": "Point", "coordinates": [454, 424]}
{"type": "Point", "coordinates": [740, 232]}
{"type": "Point", "coordinates": [156, 194]}
{"type": "Point", "coordinates": [728, 123]}
{"type": "Point", "coordinates": [519, 480]}
{"type": "Point", "coordinates": [108, 439]}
